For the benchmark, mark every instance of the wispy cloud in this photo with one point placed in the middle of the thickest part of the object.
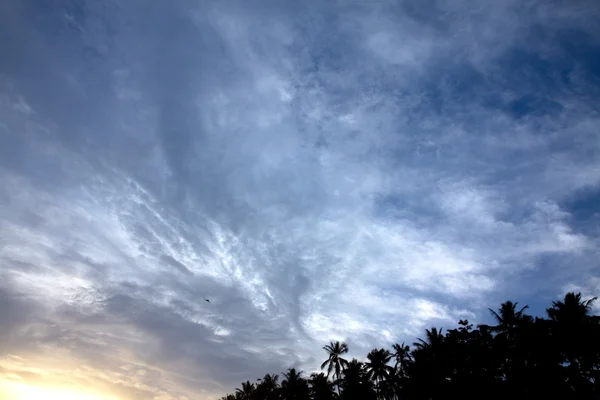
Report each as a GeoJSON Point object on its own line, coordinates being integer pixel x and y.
{"type": "Point", "coordinates": [318, 171]}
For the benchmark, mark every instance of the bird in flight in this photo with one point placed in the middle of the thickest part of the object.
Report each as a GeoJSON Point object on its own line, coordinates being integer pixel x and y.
{"type": "Point", "coordinates": [207, 300]}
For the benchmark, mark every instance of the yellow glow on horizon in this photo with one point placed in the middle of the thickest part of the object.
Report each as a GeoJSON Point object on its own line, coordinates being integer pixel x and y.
{"type": "Point", "coordinates": [20, 391]}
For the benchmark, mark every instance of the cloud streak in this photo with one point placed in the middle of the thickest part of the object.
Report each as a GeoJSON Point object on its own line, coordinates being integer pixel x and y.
{"type": "Point", "coordinates": [318, 171]}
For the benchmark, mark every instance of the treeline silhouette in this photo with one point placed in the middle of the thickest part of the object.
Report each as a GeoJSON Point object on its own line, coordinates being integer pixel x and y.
{"type": "Point", "coordinates": [520, 357]}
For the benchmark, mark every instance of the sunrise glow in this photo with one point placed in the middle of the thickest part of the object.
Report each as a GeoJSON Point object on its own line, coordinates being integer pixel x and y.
{"type": "Point", "coordinates": [20, 391]}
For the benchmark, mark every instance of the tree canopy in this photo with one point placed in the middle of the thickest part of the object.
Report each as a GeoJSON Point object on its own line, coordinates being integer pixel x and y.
{"type": "Point", "coordinates": [520, 357]}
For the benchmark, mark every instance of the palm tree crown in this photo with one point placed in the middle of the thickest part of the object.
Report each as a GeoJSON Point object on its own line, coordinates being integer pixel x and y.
{"type": "Point", "coordinates": [246, 391]}
{"type": "Point", "coordinates": [377, 367]}
{"type": "Point", "coordinates": [402, 357]}
{"type": "Point", "coordinates": [433, 340]}
{"type": "Point", "coordinates": [508, 318]}
{"type": "Point", "coordinates": [294, 386]}
{"type": "Point", "coordinates": [571, 310]}
{"type": "Point", "coordinates": [320, 387]}
{"type": "Point", "coordinates": [335, 350]}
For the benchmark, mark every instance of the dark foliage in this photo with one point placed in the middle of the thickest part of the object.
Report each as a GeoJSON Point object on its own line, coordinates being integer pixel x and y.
{"type": "Point", "coordinates": [519, 357]}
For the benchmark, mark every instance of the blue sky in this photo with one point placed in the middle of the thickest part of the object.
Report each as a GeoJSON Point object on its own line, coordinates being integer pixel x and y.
{"type": "Point", "coordinates": [319, 170]}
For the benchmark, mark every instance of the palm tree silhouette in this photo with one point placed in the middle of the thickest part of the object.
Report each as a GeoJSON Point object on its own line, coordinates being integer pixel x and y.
{"type": "Point", "coordinates": [354, 382]}
{"type": "Point", "coordinates": [576, 335]}
{"type": "Point", "coordinates": [335, 362]}
{"type": "Point", "coordinates": [268, 388]}
{"type": "Point", "coordinates": [320, 387]}
{"type": "Point", "coordinates": [508, 318]}
{"type": "Point", "coordinates": [246, 392]}
{"type": "Point", "coordinates": [572, 309]}
{"type": "Point", "coordinates": [377, 367]}
{"type": "Point", "coordinates": [294, 386]}
{"type": "Point", "coordinates": [519, 358]}
{"type": "Point", "coordinates": [402, 357]}
{"type": "Point", "coordinates": [433, 340]}
{"type": "Point", "coordinates": [430, 361]}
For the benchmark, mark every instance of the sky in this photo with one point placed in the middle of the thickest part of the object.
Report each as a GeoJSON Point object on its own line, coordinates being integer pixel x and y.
{"type": "Point", "coordinates": [318, 170]}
